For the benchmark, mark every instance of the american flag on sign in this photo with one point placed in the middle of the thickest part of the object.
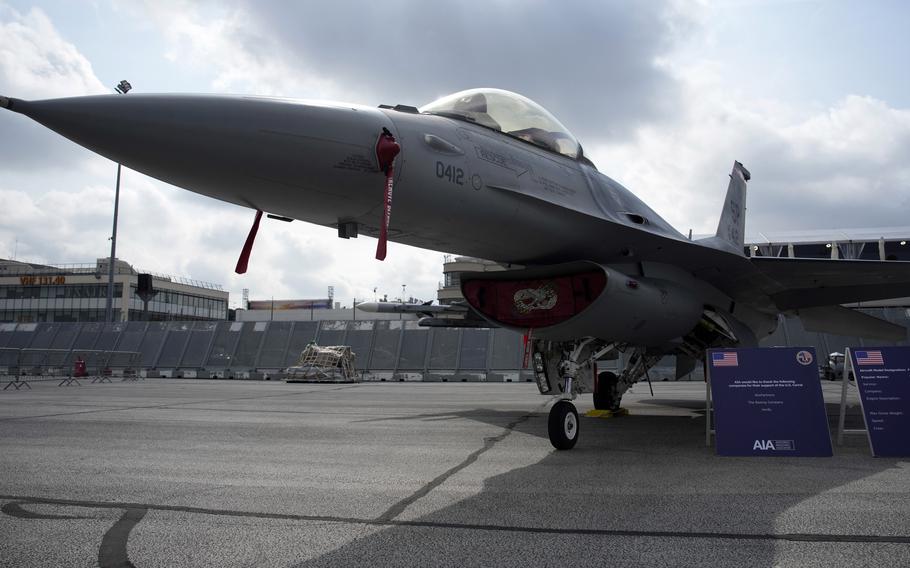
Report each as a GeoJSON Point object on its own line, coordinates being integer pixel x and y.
{"type": "Point", "coordinates": [724, 359]}
{"type": "Point", "coordinates": [869, 358]}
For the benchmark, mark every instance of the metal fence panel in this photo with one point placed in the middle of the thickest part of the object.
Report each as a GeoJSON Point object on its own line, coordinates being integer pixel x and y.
{"type": "Point", "coordinates": [332, 332]}
{"type": "Point", "coordinates": [304, 332]}
{"type": "Point", "coordinates": [131, 338]}
{"type": "Point", "coordinates": [6, 333]}
{"type": "Point", "coordinates": [385, 345]}
{"type": "Point", "coordinates": [23, 335]}
{"type": "Point", "coordinates": [87, 336]}
{"type": "Point", "coordinates": [360, 339]}
{"type": "Point", "coordinates": [473, 354]}
{"type": "Point", "coordinates": [508, 349]}
{"type": "Point", "coordinates": [274, 345]}
{"type": "Point", "coordinates": [151, 343]}
{"type": "Point", "coordinates": [413, 349]}
{"type": "Point", "coordinates": [198, 345]}
{"type": "Point", "coordinates": [444, 349]}
{"type": "Point", "coordinates": [43, 337]}
{"type": "Point", "coordinates": [248, 344]}
{"type": "Point", "coordinates": [110, 333]}
{"type": "Point", "coordinates": [66, 335]}
{"type": "Point", "coordinates": [222, 353]}
{"type": "Point", "coordinates": [178, 334]}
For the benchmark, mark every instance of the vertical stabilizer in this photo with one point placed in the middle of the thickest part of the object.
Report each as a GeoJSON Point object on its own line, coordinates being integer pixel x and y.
{"type": "Point", "coordinates": [731, 229]}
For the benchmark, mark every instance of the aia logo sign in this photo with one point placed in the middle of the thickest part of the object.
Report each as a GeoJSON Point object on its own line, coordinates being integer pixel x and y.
{"type": "Point", "coordinates": [774, 445]}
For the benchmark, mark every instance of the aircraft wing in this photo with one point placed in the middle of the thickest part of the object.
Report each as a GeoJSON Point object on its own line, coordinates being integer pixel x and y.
{"type": "Point", "coordinates": [844, 321]}
{"type": "Point", "coordinates": [808, 283]}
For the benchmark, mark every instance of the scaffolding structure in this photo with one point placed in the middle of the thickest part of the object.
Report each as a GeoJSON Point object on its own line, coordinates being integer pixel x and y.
{"type": "Point", "coordinates": [334, 364]}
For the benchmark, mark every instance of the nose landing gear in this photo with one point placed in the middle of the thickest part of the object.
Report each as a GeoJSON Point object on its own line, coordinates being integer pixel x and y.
{"type": "Point", "coordinates": [563, 425]}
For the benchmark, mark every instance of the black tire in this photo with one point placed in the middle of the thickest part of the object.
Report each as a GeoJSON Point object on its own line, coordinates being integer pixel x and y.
{"type": "Point", "coordinates": [603, 394]}
{"type": "Point", "coordinates": [563, 425]}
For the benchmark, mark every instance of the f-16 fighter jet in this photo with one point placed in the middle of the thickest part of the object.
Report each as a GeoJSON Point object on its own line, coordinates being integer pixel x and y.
{"type": "Point", "coordinates": [490, 174]}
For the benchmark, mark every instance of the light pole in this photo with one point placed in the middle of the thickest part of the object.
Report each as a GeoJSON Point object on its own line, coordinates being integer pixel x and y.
{"type": "Point", "coordinates": [123, 87]}
{"type": "Point", "coordinates": [401, 314]}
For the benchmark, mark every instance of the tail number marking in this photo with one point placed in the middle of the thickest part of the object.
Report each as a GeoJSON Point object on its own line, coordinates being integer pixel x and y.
{"type": "Point", "coordinates": [450, 173]}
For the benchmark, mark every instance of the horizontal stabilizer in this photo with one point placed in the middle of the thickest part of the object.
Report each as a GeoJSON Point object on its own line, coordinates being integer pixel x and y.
{"type": "Point", "coordinates": [844, 321]}
{"type": "Point", "coordinates": [812, 282]}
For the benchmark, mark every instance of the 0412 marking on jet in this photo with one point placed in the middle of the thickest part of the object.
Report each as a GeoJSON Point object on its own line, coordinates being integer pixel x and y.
{"type": "Point", "coordinates": [450, 172]}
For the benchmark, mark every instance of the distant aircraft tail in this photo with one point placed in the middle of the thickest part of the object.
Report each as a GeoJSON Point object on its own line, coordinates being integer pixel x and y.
{"type": "Point", "coordinates": [731, 229]}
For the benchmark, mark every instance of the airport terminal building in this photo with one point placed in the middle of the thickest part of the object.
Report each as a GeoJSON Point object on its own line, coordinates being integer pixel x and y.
{"type": "Point", "coordinates": [33, 293]}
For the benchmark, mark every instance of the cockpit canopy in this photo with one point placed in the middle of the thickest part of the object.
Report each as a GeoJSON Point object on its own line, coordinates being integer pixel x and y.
{"type": "Point", "coordinates": [510, 114]}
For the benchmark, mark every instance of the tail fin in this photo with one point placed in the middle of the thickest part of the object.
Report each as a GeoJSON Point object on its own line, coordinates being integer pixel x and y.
{"type": "Point", "coordinates": [731, 229]}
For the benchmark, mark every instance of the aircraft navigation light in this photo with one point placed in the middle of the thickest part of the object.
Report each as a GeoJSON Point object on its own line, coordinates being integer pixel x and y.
{"type": "Point", "coordinates": [123, 87]}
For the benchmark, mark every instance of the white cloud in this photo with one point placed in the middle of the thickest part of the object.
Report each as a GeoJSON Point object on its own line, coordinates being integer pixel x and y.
{"type": "Point", "coordinates": [410, 53]}
{"type": "Point", "coordinates": [35, 61]}
{"type": "Point", "coordinates": [844, 166]}
{"type": "Point", "coordinates": [220, 38]}
{"type": "Point", "coordinates": [667, 126]}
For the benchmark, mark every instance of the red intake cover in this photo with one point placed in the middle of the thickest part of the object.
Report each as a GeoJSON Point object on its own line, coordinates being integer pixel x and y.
{"type": "Point", "coordinates": [534, 303]}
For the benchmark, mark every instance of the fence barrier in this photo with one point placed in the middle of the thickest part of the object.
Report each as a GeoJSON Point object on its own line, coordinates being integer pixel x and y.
{"type": "Point", "coordinates": [20, 366]}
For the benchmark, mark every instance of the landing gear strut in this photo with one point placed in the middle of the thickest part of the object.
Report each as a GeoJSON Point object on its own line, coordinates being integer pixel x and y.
{"type": "Point", "coordinates": [574, 363]}
{"type": "Point", "coordinates": [605, 397]}
{"type": "Point", "coordinates": [563, 423]}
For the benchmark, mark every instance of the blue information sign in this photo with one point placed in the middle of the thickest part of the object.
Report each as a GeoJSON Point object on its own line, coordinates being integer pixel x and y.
{"type": "Point", "coordinates": [883, 378]}
{"type": "Point", "coordinates": [768, 402]}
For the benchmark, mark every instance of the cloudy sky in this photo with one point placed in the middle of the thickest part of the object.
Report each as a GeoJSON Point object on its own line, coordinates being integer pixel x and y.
{"type": "Point", "coordinates": [813, 96]}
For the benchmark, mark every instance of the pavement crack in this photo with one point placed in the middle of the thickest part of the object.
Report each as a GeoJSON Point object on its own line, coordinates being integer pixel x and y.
{"type": "Point", "coordinates": [112, 553]}
{"type": "Point", "coordinates": [488, 444]}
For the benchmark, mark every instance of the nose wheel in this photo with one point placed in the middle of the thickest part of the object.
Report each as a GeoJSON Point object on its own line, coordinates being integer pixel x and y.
{"type": "Point", "coordinates": [563, 425]}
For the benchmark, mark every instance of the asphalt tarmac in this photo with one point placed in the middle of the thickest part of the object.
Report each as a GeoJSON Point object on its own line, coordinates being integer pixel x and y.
{"type": "Point", "coordinates": [242, 473]}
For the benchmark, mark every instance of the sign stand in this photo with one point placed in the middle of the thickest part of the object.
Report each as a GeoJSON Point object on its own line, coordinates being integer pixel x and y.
{"type": "Point", "coordinates": [708, 410]}
{"type": "Point", "coordinates": [765, 402]}
{"type": "Point", "coordinates": [845, 381]}
{"type": "Point", "coordinates": [882, 379]}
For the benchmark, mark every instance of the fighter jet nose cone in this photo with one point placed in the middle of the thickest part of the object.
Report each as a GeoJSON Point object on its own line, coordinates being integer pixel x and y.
{"type": "Point", "coordinates": [15, 105]}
